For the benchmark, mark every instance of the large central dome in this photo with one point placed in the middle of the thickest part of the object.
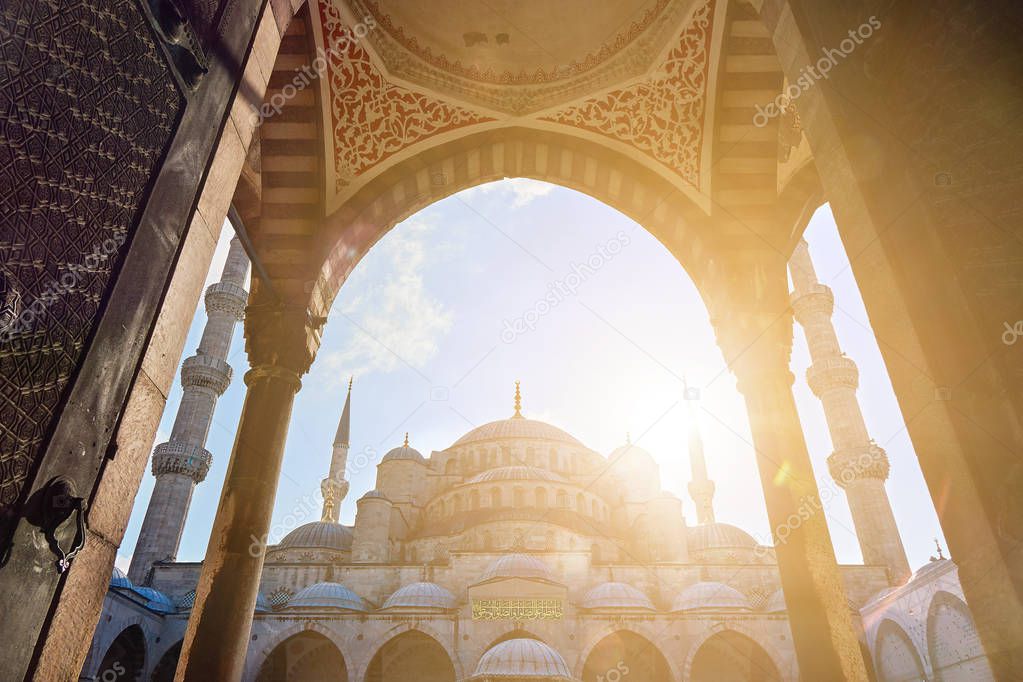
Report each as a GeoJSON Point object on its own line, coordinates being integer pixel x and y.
{"type": "Point", "coordinates": [515, 428]}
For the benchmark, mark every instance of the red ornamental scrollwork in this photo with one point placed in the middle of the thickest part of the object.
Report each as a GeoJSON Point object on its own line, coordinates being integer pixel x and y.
{"type": "Point", "coordinates": [663, 115]}
{"type": "Point", "coordinates": [371, 118]}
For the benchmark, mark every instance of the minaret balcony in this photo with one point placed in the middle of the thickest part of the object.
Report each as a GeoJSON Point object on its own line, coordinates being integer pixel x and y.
{"type": "Point", "coordinates": [206, 371]}
{"type": "Point", "coordinates": [227, 298]}
{"type": "Point", "coordinates": [828, 374]}
{"type": "Point", "coordinates": [817, 301]}
{"type": "Point", "coordinates": [182, 458]}
{"type": "Point", "coordinates": [855, 464]}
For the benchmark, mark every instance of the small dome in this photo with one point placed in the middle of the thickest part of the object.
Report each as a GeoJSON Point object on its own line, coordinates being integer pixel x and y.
{"type": "Point", "coordinates": [616, 596]}
{"type": "Point", "coordinates": [120, 580]}
{"type": "Point", "coordinates": [518, 566]}
{"type": "Point", "coordinates": [404, 452]}
{"type": "Point", "coordinates": [327, 596]}
{"type": "Point", "coordinates": [718, 536]}
{"type": "Point", "coordinates": [421, 596]}
{"type": "Point", "coordinates": [155, 599]}
{"type": "Point", "coordinates": [634, 452]}
{"type": "Point", "coordinates": [517, 428]}
{"type": "Point", "coordinates": [516, 473]}
{"type": "Point", "coordinates": [318, 535]}
{"type": "Point", "coordinates": [710, 596]}
{"type": "Point", "coordinates": [776, 604]}
{"type": "Point", "coordinates": [262, 605]}
{"type": "Point", "coordinates": [929, 567]}
{"type": "Point", "coordinates": [374, 495]}
{"type": "Point", "coordinates": [523, 659]}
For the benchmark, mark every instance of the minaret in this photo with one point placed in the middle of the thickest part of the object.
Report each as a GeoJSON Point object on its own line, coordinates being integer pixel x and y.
{"type": "Point", "coordinates": [701, 488]}
{"type": "Point", "coordinates": [183, 461]}
{"type": "Point", "coordinates": [335, 486]}
{"type": "Point", "coordinates": [858, 464]}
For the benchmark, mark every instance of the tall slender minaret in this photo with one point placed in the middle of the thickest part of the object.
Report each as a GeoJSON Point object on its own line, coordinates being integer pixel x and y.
{"type": "Point", "coordinates": [335, 486]}
{"type": "Point", "coordinates": [701, 488]}
{"type": "Point", "coordinates": [858, 464]}
{"type": "Point", "coordinates": [183, 461]}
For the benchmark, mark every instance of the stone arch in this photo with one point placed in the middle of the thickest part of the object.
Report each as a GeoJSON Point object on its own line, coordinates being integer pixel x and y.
{"type": "Point", "coordinates": [477, 158]}
{"type": "Point", "coordinates": [623, 654]}
{"type": "Point", "coordinates": [305, 656]}
{"type": "Point", "coordinates": [278, 637]}
{"type": "Point", "coordinates": [168, 663]}
{"type": "Point", "coordinates": [125, 656]}
{"type": "Point", "coordinates": [960, 659]}
{"type": "Point", "coordinates": [654, 637]}
{"type": "Point", "coordinates": [896, 657]}
{"type": "Point", "coordinates": [736, 628]}
{"type": "Point", "coordinates": [412, 654]}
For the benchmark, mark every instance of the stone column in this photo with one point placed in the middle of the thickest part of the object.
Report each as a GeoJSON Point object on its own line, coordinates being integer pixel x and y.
{"type": "Point", "coordinates": [858, 464]}
{"type": "Point", "coordinates": [754, 330]}
{"type": "Point", "coordinates": [183, 462]}
{"type": "Point", "coordinates": [281, 343]}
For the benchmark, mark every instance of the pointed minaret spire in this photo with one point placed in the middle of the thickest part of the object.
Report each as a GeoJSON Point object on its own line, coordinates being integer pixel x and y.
{"type": "Point", "coordinates": [701, 488]}
{"type": "Point", "coordinates": [335, 486]}
{"type": "Point", "coordinates": [518, 401]}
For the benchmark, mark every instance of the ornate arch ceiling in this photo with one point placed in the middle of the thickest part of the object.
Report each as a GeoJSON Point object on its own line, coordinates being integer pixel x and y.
{"type": "Point", "coordinates": [636, 76]}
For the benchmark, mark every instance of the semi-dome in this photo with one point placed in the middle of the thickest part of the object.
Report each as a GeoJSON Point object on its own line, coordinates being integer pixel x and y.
{"type": "Point", "coordinates": [402, 453]}
{"type": "Point", "coordinates": [710, 595]}
{"type": "Point", "coordinates": [616, 596]}
{"type": "Point", "coordinates": [327, 596]}
{"type": "Point", "coordinates": [421, 596]}
{"type": "Point", "coordinates": [525, 659]}
{"type": "Point", "coordinates": [155, 599]}
{"type": "Point", "coordinates": [374, 495]}
{"type": "Point", "coordinates": [776, 603]}
{"type": "Point", "coordinates": [318, 535]}
{"type": "Point", "coordinates": [517, 428]}
{"type": "Point", "coordinates": [518, 566]}
{"type": "Point", "coordinates": [516, 473]}
{"type": "Point", "coordinates": [119, 579]}
{"type": "Point", "coordinates": [718, 536]}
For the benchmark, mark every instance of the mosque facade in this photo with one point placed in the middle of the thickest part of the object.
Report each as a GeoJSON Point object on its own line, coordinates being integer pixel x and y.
{"type": "Point", "coordinates": [519, 554]}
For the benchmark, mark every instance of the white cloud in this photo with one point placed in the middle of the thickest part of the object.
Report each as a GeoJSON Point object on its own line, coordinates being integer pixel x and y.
{"type": "Point", "coordinates": [520, 191]}
{"type": "Point", "coordinates": [392, 320]}
{"type": "Point", "coordinates": [123, 562]}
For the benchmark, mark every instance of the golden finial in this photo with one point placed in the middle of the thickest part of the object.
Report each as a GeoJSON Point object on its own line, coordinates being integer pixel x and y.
{"type": "Point", "coordinates": [941, 555]}
{"type": "Point", "coordinates": [328, 505]}
{"type": "Point", "coordinates": [518, 399]}
{"type": "Point", "coordinates": [351, 380]}
{"type": "Point", "coordinates": [406, 439]}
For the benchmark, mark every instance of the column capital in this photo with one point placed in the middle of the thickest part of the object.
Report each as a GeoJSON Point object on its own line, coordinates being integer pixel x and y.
{"type": "Point", "coordinates": [281, 338]}
{"type": "Point", "coordinates": [757, 347]}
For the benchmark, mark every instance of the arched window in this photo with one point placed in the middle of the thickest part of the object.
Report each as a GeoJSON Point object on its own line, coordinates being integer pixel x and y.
{"type": "Point", "coordinates": [562, 499]}
{"type": "Point", "coordinates": [474, 500]}
{"type": "Point", "coordinates": [495, 497]}
{"type": "Point", "coordinates": [520, 498]}
{"type": "Point", "coordinates": [580, 503]}
{"type": "Point", "coordinates": [541, 498]}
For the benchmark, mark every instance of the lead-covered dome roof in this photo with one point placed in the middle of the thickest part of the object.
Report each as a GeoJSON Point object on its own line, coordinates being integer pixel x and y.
{"type": "Point", "coordinates": [616, 596]}
{"type": "Point", "coordinates": [119, 579]}
{"type": "Point", "coordinates": [523, 659]}
{"type": "Point", "coordinates": [516, 473]}
{"type": "Point", "coordinates": [405, 452]}
{"type": "Point", "coordinates": [517, 428]}
{"type": "Point", "coordinates": [155, 599]}
{"type": "Point", "coordinates": [421, 596]}
{"type": "Point", "coordinates": [327, 596]}
{"type": "Point", "coordinates": [718, 536]}
{"type": "Point", "coordinates": [518, 566]}
{"type": "Point", "coordinates": [318, 535]}
{"type": "Point", "coordinates": [710, 596]}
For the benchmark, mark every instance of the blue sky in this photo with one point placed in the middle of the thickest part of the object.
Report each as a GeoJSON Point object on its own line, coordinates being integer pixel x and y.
{"type": "Point", "coordinates": [423, 324]}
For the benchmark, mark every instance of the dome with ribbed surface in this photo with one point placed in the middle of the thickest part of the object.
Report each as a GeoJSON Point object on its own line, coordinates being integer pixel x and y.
{"type": "Point", "coordinates": [710, 596]}
{"type": "Point", "coordinates": [318, 535]}
{"type": "Point", "coordinates": [516, 473]}
{"type": "Point", "coordinates": [522, 659]}
{"type": "Point", "coordinates": [327, 596]}
{"type": "Point", "coordinates": [402, 453]}
{"type": "Point", "coordinates": [155, 599]}
{"type": "Point", "coordinates": [616, 596]}
{"type": "Point", "coordinates": [718, 536]}
{"type": "Point", "coordinates": [119, 579]}
{"type": "Point", "coordinates": [518, 566]}
{"type": "Point", "coordinates": [517, 428]}
{"type": "Point", "coordinates": [421, 596]}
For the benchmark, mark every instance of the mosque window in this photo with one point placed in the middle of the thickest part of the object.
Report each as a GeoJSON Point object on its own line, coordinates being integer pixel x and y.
{"type": "Point", "coordinates": [520, 498]}
{"type": "Point", "coordinates": [495, 497]}
{"type": "Point", "coordinates": [541, 498]}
